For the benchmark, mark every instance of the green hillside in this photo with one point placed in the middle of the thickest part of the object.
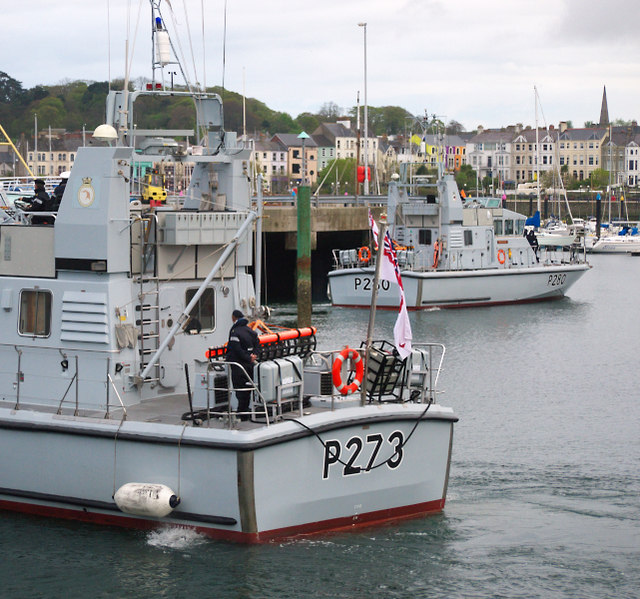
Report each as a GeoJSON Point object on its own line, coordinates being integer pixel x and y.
{"type": "Point", "coordinates": [73, 104]}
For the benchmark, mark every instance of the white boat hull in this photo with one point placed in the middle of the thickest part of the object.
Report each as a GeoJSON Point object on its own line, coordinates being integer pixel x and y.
{"type": "Point", "coordinates": [616, 245]}
{"type": "Point", "coordinates": [456, 289]}
{"type": "Point", "coordinates": [249, 486]}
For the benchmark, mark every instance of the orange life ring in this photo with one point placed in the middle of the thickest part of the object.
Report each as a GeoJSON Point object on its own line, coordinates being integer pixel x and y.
{"type": "Point", "coordinates": [364, 254]}
{"type": "Point", "coordinates": [336, 371]}
{"type": "Point", "coordinates": [501, 256]}
{"type": "Point", "coordinates": [436, 254]}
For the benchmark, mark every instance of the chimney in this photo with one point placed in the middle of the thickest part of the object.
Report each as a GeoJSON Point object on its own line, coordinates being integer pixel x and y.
{"type": "Point", "coordinates": [563, 126]}
{"type": "Point", "coordinates": [480, 129]}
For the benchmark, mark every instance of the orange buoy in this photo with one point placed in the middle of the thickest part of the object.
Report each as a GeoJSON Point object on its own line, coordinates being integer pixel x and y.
{"type": "Point", "coordinates": [364, 254]}
{"type": "Point", "coordinates": [336, 371]}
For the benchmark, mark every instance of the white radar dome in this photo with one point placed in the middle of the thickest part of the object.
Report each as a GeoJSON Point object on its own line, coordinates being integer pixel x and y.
{"type": "Point", "coordinates": [105, 133]}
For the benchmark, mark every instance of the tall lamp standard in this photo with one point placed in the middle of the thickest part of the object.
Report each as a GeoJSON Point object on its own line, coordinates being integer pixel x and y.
{"type": "Point", "coordinates": [366, 119]}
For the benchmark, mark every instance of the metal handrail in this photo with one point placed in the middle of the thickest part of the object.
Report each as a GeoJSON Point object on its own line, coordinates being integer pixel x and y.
{"type": "Point", "coordinates": [253, 387]}
{"type": "Point", "coordinates": [124, 409]}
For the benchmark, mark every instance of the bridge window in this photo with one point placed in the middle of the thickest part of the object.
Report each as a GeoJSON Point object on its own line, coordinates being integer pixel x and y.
{"type": "Point", "coordinates": [468, 237]}
{"type": "Point", "coordinates": [424, 236]}
{"type": "Point", "coordinates": [203, 312]}
{"type": "Point", "coordinates": [35, 313]}
{"type": "Point", "coordinates": [497, 227]}
{"type": "Point", "coordinates": [508, 227]}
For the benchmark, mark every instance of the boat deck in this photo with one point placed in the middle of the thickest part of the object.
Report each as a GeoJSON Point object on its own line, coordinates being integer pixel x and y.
{"type": "Point", "coordinates": [170, 409]}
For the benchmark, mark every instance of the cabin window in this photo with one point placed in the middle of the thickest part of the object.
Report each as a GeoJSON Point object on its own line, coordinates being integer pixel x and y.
{"type": "Point", "coordinates": [424, 236]}
{"type": "Point", "coordinates": [497, 227]}
{"type": "Point", "coordinates": [520, 227]}
{"type": "Point", "coordinates": [468, 237]}
{"type": "Point", "coordinates": [508, 227]}
{"type": "Point", "coordinates": [35, 313]}
{"type": "Point", "coordinates": [204, 311]}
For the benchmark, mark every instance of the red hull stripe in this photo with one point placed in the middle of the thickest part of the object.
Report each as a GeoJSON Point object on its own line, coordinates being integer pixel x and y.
{"type": "Point", "coordinates": [454, 306]}
{"type": "Point", "coordinates": [325, 526]}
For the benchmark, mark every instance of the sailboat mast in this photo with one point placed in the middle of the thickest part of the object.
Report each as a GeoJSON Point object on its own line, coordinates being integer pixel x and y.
{"type": "Point", "coordinates": [537, 150]}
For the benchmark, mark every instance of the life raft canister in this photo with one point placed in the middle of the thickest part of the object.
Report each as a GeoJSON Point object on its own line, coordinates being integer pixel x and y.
{"type": "Point", "coordinates": [336, 371]}
{"type": "Point", "coordinates": [364, 254]}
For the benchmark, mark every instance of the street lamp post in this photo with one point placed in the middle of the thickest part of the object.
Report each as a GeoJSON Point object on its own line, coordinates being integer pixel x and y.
{"type": "Point", "coordinates": [366, 119]}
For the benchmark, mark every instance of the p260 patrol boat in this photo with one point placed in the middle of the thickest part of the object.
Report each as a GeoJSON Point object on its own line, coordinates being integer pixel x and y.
{"type": "Point", "coordinates": [455, 253]}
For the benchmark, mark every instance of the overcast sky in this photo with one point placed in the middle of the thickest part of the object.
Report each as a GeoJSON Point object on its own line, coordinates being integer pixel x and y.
{"type": "Point", "coordinates": [473, 61]}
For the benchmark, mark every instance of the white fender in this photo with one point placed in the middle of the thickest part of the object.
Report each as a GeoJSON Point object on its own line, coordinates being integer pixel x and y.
{"type": "Point", "coordinates": [146, 499]}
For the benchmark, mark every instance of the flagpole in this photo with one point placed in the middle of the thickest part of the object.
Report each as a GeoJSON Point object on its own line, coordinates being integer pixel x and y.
{"type": "Point", "coordinates": [374, 302]}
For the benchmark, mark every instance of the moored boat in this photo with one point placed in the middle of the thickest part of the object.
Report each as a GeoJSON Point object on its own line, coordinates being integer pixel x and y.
{"type": "Point", "coordinates": [621, 240]}
{"type": "Point", "coordinates": [116, 403]}
{"type": "Point", "coordinates": [458, 254]}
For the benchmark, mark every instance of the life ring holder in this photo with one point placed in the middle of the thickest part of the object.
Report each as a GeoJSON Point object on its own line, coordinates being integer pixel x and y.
{"type": "Point", "coordinates": [501, 256]}
{"type": "Point", "coordinates": [364, 254]}
{"type": "Point", "coordinates": [336, 371]}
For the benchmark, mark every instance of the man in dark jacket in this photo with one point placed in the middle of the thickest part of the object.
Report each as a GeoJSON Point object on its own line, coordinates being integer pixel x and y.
{"type": "Point", "coordinates": [242, 348]}
{"type": "Point", "coordinates": [58, 192]}
{"type": "Point", "coordinates": [39, 202]}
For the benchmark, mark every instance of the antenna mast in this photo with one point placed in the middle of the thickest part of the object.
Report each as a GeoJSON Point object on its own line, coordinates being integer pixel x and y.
{"type": "Point", "coordinates": [162, 48]}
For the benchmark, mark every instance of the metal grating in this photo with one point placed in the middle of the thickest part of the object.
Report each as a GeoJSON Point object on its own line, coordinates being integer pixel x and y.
{"type": "Point", "coordinates": [84, 317]}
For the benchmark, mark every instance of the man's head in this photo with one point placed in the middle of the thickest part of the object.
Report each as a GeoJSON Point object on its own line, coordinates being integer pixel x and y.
{"type": "Point", "coordinates": [39, 183]}
{"type": "Point", "coordinates": [236, 315]}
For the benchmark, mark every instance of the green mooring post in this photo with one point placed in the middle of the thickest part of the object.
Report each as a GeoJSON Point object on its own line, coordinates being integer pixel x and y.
{"type": "Point", "coordinates": [304, 256]}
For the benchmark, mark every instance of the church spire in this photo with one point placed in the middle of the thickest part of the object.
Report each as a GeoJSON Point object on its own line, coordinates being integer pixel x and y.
{"type": "Point", "coordinates": [604, 110]}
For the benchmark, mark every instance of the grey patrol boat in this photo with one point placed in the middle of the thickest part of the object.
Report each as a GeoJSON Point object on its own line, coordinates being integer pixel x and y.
{"type": "Point", "coordinates": [113, 407]}
{"type": "Point", "coordinates": [455, 252]}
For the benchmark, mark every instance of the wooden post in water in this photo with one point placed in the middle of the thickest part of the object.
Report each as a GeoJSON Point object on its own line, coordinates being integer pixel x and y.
{"type": "Point", "coordinates": [374, 303]}
{"type": "Point", "coordinates": [304, 256]}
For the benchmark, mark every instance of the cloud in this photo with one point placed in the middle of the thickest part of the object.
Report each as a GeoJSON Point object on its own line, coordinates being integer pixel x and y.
{"type": "Point", "coordinates": [593, 21]}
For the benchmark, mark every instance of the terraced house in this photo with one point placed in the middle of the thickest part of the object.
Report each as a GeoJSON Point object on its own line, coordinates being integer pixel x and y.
{"type": "Point", "coordinates": [532, 153]}
{"type": "Point", "coordinates": [489, 153]}
{"type": "Point", "coordinates": [580, 150]}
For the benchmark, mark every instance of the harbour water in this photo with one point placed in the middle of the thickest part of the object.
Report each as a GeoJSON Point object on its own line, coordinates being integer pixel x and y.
{"type": "Point", "coordinates": [544, 494]}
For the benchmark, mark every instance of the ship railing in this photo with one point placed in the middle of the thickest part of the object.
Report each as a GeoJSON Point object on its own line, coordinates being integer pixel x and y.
{"type": "Point", "coordinates": [288, 397]}
{"type": "Point", "coordinates": [576, 253]}
{"type": "Point", "coordinates": [423, 371]}
{"type": "Point", "coordinates": [73, 385]}
{"type": "Point", "coordinates": [26, 184]}
{"type": "Point", "coordinates": [23, 217]}
{"type": "Point", "coordinates": [388, 378]}
{"type": "Point", "coordinates": [364, 256]}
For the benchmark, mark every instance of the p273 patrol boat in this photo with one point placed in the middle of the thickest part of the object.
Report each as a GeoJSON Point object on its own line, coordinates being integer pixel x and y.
{"type": "Point", "coordinates": [455, 254]}
{"type": "Point", "coordinates": [114, 410]}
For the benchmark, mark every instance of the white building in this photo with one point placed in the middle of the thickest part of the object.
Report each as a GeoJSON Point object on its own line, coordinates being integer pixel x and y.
{"type": "Point", "coordinates": [489, 153]}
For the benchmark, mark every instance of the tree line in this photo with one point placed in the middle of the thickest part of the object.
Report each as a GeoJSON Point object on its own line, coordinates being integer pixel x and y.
{"type": "Point", "coordinates": [72, 105]}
